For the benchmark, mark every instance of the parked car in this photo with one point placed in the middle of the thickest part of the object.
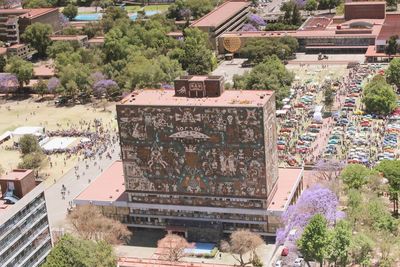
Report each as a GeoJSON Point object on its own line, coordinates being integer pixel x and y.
{"type": "Point", "coordinates": [299, 262]}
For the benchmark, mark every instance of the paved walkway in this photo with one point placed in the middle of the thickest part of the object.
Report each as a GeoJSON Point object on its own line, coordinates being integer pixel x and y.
{"type": "Point", "coordinates": [56, 205]}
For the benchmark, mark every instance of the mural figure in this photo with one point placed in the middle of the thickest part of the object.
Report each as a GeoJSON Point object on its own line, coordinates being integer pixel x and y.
{"type": "Point", "coordinates": [156, 157]}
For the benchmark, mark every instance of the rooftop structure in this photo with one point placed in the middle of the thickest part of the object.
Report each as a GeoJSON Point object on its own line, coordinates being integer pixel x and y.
{"type": "Point", "coordinates": [221, 14]}
{"type": "Point", "coordinates": [364, 10]}
{"type": "Point", "coordinates": [229, 16]}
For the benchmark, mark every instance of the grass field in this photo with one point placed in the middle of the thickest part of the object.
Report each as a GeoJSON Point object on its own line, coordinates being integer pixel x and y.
{"type": "Point", "coordinates": [31, 113]}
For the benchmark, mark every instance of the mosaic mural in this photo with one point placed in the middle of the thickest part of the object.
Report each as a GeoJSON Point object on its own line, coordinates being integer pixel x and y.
{"type": "Point", "coordinates": [197, 150]}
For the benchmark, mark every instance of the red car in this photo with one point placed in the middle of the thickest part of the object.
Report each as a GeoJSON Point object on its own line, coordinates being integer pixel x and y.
{"type": "Point", "coordinates": [285, 252]}
{"type": "Point", "coordinates": [299, 105]}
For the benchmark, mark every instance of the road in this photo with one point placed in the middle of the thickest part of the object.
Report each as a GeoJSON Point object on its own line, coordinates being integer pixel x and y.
{"type": "Point", "coordinates": [56, 205]}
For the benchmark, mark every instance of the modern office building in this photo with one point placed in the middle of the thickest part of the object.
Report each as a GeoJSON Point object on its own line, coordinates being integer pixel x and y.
{"type": "Point", "coordinates": [13, 22]}
{"type": "Point", "coordinates": [24, 229]}
{"type": "Point", "coordinates": [230, 16]}
{"type": "Point", "coordinates": [197, 157]}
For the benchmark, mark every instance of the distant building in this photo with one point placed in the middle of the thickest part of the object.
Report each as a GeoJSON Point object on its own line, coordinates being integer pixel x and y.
{"type": "Point", "coordinates": [13, 22]}
{"type": "Point", "coordinates": [230, 16]}
{"type": "Point", "coordinates": [20, 50]}
{"type": "Point", "coordinates": [198, 160]}
{"type": "Point", "coordinates": [80, 40]}
{"type": "Point", "coordinates": [24, 228]}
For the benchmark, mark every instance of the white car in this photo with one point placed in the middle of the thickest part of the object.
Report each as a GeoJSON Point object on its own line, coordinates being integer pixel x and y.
{"type": "Point", "coordinates": [278, 263]}
{"type": "Point", "coordinates": [299, 262]}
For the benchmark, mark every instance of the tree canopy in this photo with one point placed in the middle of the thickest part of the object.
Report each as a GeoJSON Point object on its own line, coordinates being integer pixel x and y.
{"type": "Point", "coordinates": [38, 36]}
{"type": "Point", "coordinates": [271, 74]}
{"type": "Point", "coordinates": [22, 69]}
{"type": "Point", "coordinates": [72, 251]}
{"type": "Point", "coordinates": [355, 175]}
{"type": "Point", "coordinates": [391, 171]}
{"type": "Point", "coordinates": [379, 97]}
{"type": "Point", "coordinates": [314, 241]}
{"type": "Point", "coordinates": [70, 11]}
{"type": "Point", "coordinates": [393, 72]}
{"type": "Point", "coordinates": [257, 50]}
{"type": "Point", "coordinates": [195, 8]}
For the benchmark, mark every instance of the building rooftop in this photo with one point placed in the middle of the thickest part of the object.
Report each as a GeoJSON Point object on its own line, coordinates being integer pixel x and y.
{"type": "Point", "coordinates": [43, 70]}
{"type": "Point", "coordinates": [37, 12]}
{"type": "Point", "coordinates": [288, 181]}
{"type": "Point", "coordinates": [16, 174]}
{"type": "Point", "coordinates": [98, 39]}
{"type": "Point", "coordinates": [109, 186]}
{"type": "Point", "coordinates": [221, 14]}
{"type": "Point", "coordinates": [391, 26]}
{"type": "Point", "coordinates": [231, 98]}
{"type": "Point", "coordinates": [358, 3]}
{"type": "Point", "coordinates": [68, 37]}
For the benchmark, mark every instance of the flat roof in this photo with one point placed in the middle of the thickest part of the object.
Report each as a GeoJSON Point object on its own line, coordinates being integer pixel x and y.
{"type": "Point", "coordinates": [390, 27]}
{"type": "Point", "coordinates": [288, 181]}
{"type": "Point", "coordinates": [221, 14]}
{"type": "Point", "coordinates": [17, 46]}
{"type": "Point", "coordinates": [229, 98]}
{"type": "Point", "coordinates": [109, 186]}
{"type": "Point", "coordinates": [42, 70]}
{"type": "Point", "coordinates": [67, 37]}
{"type": "Point", "coordinates": [16, 174]}
{"type": "Point", "coordinates": [361, 3]}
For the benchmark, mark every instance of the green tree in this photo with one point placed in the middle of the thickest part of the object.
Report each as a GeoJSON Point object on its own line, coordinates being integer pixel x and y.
{"type": "Point", "coordinates": [197, 8]}
{"type": "Point", "coordinates": [355, 176]}
{"type": "Point", "coordinates": [392, 3]}
{"type": "Point", "coordinates": [21, 68]}
{"type": "Point", "coordinates": [314, 240]}
{"type": "Point", "coordinates": [361, 249]}
{"type": "Point", "coordinates": [328, 97]}
{"type": "Point", "coordinates": [71, 251]}
{"type": "Point", "coordinates": [40, 87]}
{"type": "Point", "coordinates": [391, 171]}
{"type": "Point", "coordinates": [328, 4]}
{"type": "Point", "coordinates": [311, 5]}
{"type": "Point", "coordinates": [296, 16]}
{"type": "Point", "coordinates": [59, 47]}
{"type": "Point", "coordinates": [36, 4]}
{"type": "Point", "coordinates": [256, 50]}
{"type": "Point", "coordinates": [391, 47]}
{"type": "Point", "coordinates": [393, 72]}
{"type": "Point", "coordinates": [197, 57]}
{"type": "Point", "coordinates": [339, 245]}
{"type": "Point", "coordinates": [38, 36]}
{"type": "Point", "coordinates": [379, 97]}
{"type": "Point", "coordinates": [3, 63]}
{"type": "Point", "coordinates": [268, 75]}
{"type": "Point", "coordinates": [33, 160]}
{"type": "Point", "coordinates": [70, 11]}
{"type": "Point", "coordinates": [28, 144]}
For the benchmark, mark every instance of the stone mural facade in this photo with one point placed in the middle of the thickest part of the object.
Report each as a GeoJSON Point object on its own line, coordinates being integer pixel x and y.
{"type": "Point", "coordinates": [199, 152]}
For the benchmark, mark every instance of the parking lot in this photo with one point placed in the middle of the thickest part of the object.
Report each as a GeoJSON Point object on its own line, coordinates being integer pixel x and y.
{"type": "Point", "coordinates": [308, 133]}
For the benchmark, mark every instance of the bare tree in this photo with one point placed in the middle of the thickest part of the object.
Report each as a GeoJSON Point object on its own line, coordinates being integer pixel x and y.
{"type": "Point", "coordinates": [91, 224]}
{"type": "Point", "coordinates": [242, 242]}
{"type": "Point", "coordinates": [172, 247]}
{"type": "Point", "coordinates": [329, 169]}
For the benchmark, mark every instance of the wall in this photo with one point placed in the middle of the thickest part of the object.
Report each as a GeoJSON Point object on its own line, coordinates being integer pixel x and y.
{"type": "Point", "coordinates": [196, 151]}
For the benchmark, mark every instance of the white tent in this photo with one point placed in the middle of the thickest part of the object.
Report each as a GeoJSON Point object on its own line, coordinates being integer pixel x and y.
{"type": "Point", "coordinates": [21, 131]}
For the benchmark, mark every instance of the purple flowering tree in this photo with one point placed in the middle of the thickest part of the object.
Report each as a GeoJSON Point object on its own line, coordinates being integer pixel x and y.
{"type": "Point", "coordinates": [301, 3]}
{"type": "Point", "coordinates": [315, 200]}
{"type": "Point", "coordinates": [53, 84]}
{"type": "Point", "coordinates": [105, 87]}
{"type": "Point", "coordinates": [8, 83]}
{"type": "Point", "coordinates": [249, 28]}
{"type": "Point", "coordinates": [96, 77]}
{"type": "Point", "coordinates": [256, 21]}
{"type": "Point", "coordinates": [64, 21]}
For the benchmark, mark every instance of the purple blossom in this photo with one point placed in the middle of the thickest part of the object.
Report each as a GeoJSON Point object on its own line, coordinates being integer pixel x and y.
{"type": "Point", "coordinates": [185, 13]}
{"type": "Point", "coordinates": [249, 28]}
{"type": "Point", "coordinates": [256, 20]}
{"type": "Point", "coordinates": [53, 84]}
{"type": "Point", "coordinates": [103, 86]}
{"type": "Point", "coordinates": [11, 4]}
{"type": "Point", "coordinates": [64, 21]}
{"type": "Point", "coordinates": [8, 83]}
{"type": "Point", "coordinates": [329, 169]}
{"type": "Point", "coordinates": [315, 200]}
{"type": "Point", "coordinates": [97, 76]}
{"type": "Point", "coordinates": [301, 3]}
